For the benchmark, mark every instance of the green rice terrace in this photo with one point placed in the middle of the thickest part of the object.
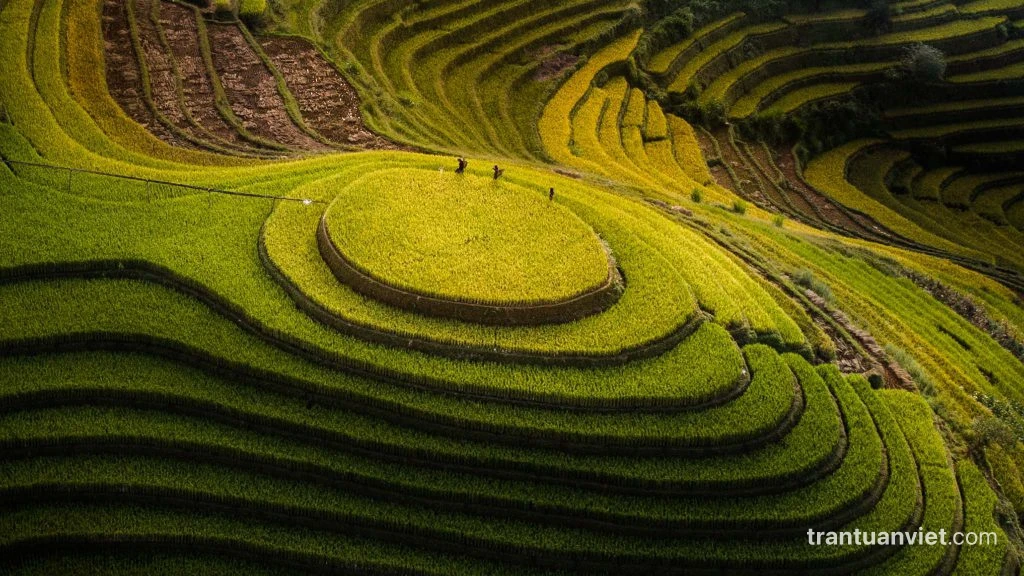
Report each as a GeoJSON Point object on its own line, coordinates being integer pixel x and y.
{"type": "Point", "coordinates": [446, 287]}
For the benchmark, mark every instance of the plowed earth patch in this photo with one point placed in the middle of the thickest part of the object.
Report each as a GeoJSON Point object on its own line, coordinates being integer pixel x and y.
{"type": "Point", "coordinates": [124, 78]}
{"type": "Point", "coordinates": [328, 103]}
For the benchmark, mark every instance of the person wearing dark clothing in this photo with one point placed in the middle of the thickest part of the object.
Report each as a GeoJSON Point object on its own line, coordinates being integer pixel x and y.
{"type": "Point", "coordinates": [551, 194]}
{"type": "Point", "coordinates": [462, 166]}
{"type": "Point", "coordinates": [497, 172]}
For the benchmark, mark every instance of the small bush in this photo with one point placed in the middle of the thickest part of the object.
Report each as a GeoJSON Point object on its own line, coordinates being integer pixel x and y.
{"type": "Point", "coordinates": [924, 63]}
{"type": "Point", "coordinates": [822, 289]}
{"type": "Point", "coordinates": [1010, 413]}
{"type": "Point", "coordinates": [252, 11]}
{"type": "Point", "coordinates": [803, 277]}
{"type": "Point", "coordinates": [879, 16]}
{"type": "Point", "coordinates": [779, 220]}
{"type": "Point", "coordinates": [407, 98]}
{"type": "Point", "coordinates": [739, 206]}
{"type": "Point", "coordinates": [807, 279]}
{"type": "Point", "coordinates": [771, 126]}
{"type": "Point", "coordinates": [711, 114]}
{"type": "Point", "coordinates": [223, 9]}
{"type": "Point", "coordinates": [876, 380]}
{"type": "Point", "coordinates": [924, 382]}
{"type": "Point", "coordinates": [696, 195]}
{"type": "Point", "coordinates": [990, 430]}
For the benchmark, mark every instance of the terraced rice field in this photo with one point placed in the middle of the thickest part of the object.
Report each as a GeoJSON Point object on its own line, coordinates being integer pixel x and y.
{"type": "Point", "coordinates": [256, 319]}
{"type": "Point", "coordinates": [973, 117]}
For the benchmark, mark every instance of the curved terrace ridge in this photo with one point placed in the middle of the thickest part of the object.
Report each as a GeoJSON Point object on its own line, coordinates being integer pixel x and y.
{"type": "Point", "coordinates": [464, 247]}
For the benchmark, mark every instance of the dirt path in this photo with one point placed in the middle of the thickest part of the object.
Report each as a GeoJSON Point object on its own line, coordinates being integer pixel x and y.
{"type": "Point", "coordinates": [124, 78]}
{"type": "Point", "coordinates": [328, 103]}
{"type": "Point", "coordinates": [252, 90]}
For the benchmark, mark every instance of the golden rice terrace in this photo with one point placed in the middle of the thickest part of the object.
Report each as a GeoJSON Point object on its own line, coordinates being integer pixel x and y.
{"type": "Point", "coordinates": [451, 287]}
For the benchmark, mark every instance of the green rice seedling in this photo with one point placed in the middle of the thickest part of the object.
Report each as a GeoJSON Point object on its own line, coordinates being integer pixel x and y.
{"type": "Point", "coordinates": [447, 478]}
{"type": "Point", "coordinates": [717, 90]}
{"type": "Point", "coordinates": [943, 502]}
{"type": "Point", "coordinates": [153, 564]}
{"type": "Point", "coordinates": [268, 541]}
{"type": "Point", "coordinates": [924, 382]}
{"type": "Point", "coordinates": [713, 366]}
{"type": "Point", "coordinates": [929, 185]}
{"type": "Point", "coordinates": [198, 480]}
{"type": "Point", "coordinates": [980, 503]}
{"type": "Point", "coordinates": [769, 92]}
{"type": "Point", "coordinates": [868, 172]}
{"type": "Point", "coordinates": [989, 204]}
{"type": "Point", "coordinates": [795, 99]}
{"type": "Point", "coordinates": [1002, 147]}
{"type": "Point", "coordinates": [947, 33]}
{"type": "Point", "coordinates": [988, 6]}
{"type": "Point", "coordinates": [357, 440]}
{"type": "Point", "coordinates": [946, 107]}
{"type": "Point", "coordinates": [995, 75]}
{"type": "Point", "coordinates": [898, 313]}
{"type": "Point", "coordinates": [1002, 49]}
{"type": "Point", "coordinates": [942, 130]}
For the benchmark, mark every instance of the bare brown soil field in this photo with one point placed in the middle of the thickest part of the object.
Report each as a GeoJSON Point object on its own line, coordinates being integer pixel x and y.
{"type": "Point", "coordinates": [328, 103]}
{"type": "Point", "coordinates": [199, 95]}
{"type": "Point", "coordinates": [124, 78]}
{"type": "Point", "coordinates": [252, 90]}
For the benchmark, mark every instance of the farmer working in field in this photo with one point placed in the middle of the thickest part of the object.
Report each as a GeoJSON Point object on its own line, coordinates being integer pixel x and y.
{"type": "Point", "coordinates": [497, 172]}
{"type": "Point", "coordinates": [551, 194]}
{"type": "Point", "coordinates": [462, 166]}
